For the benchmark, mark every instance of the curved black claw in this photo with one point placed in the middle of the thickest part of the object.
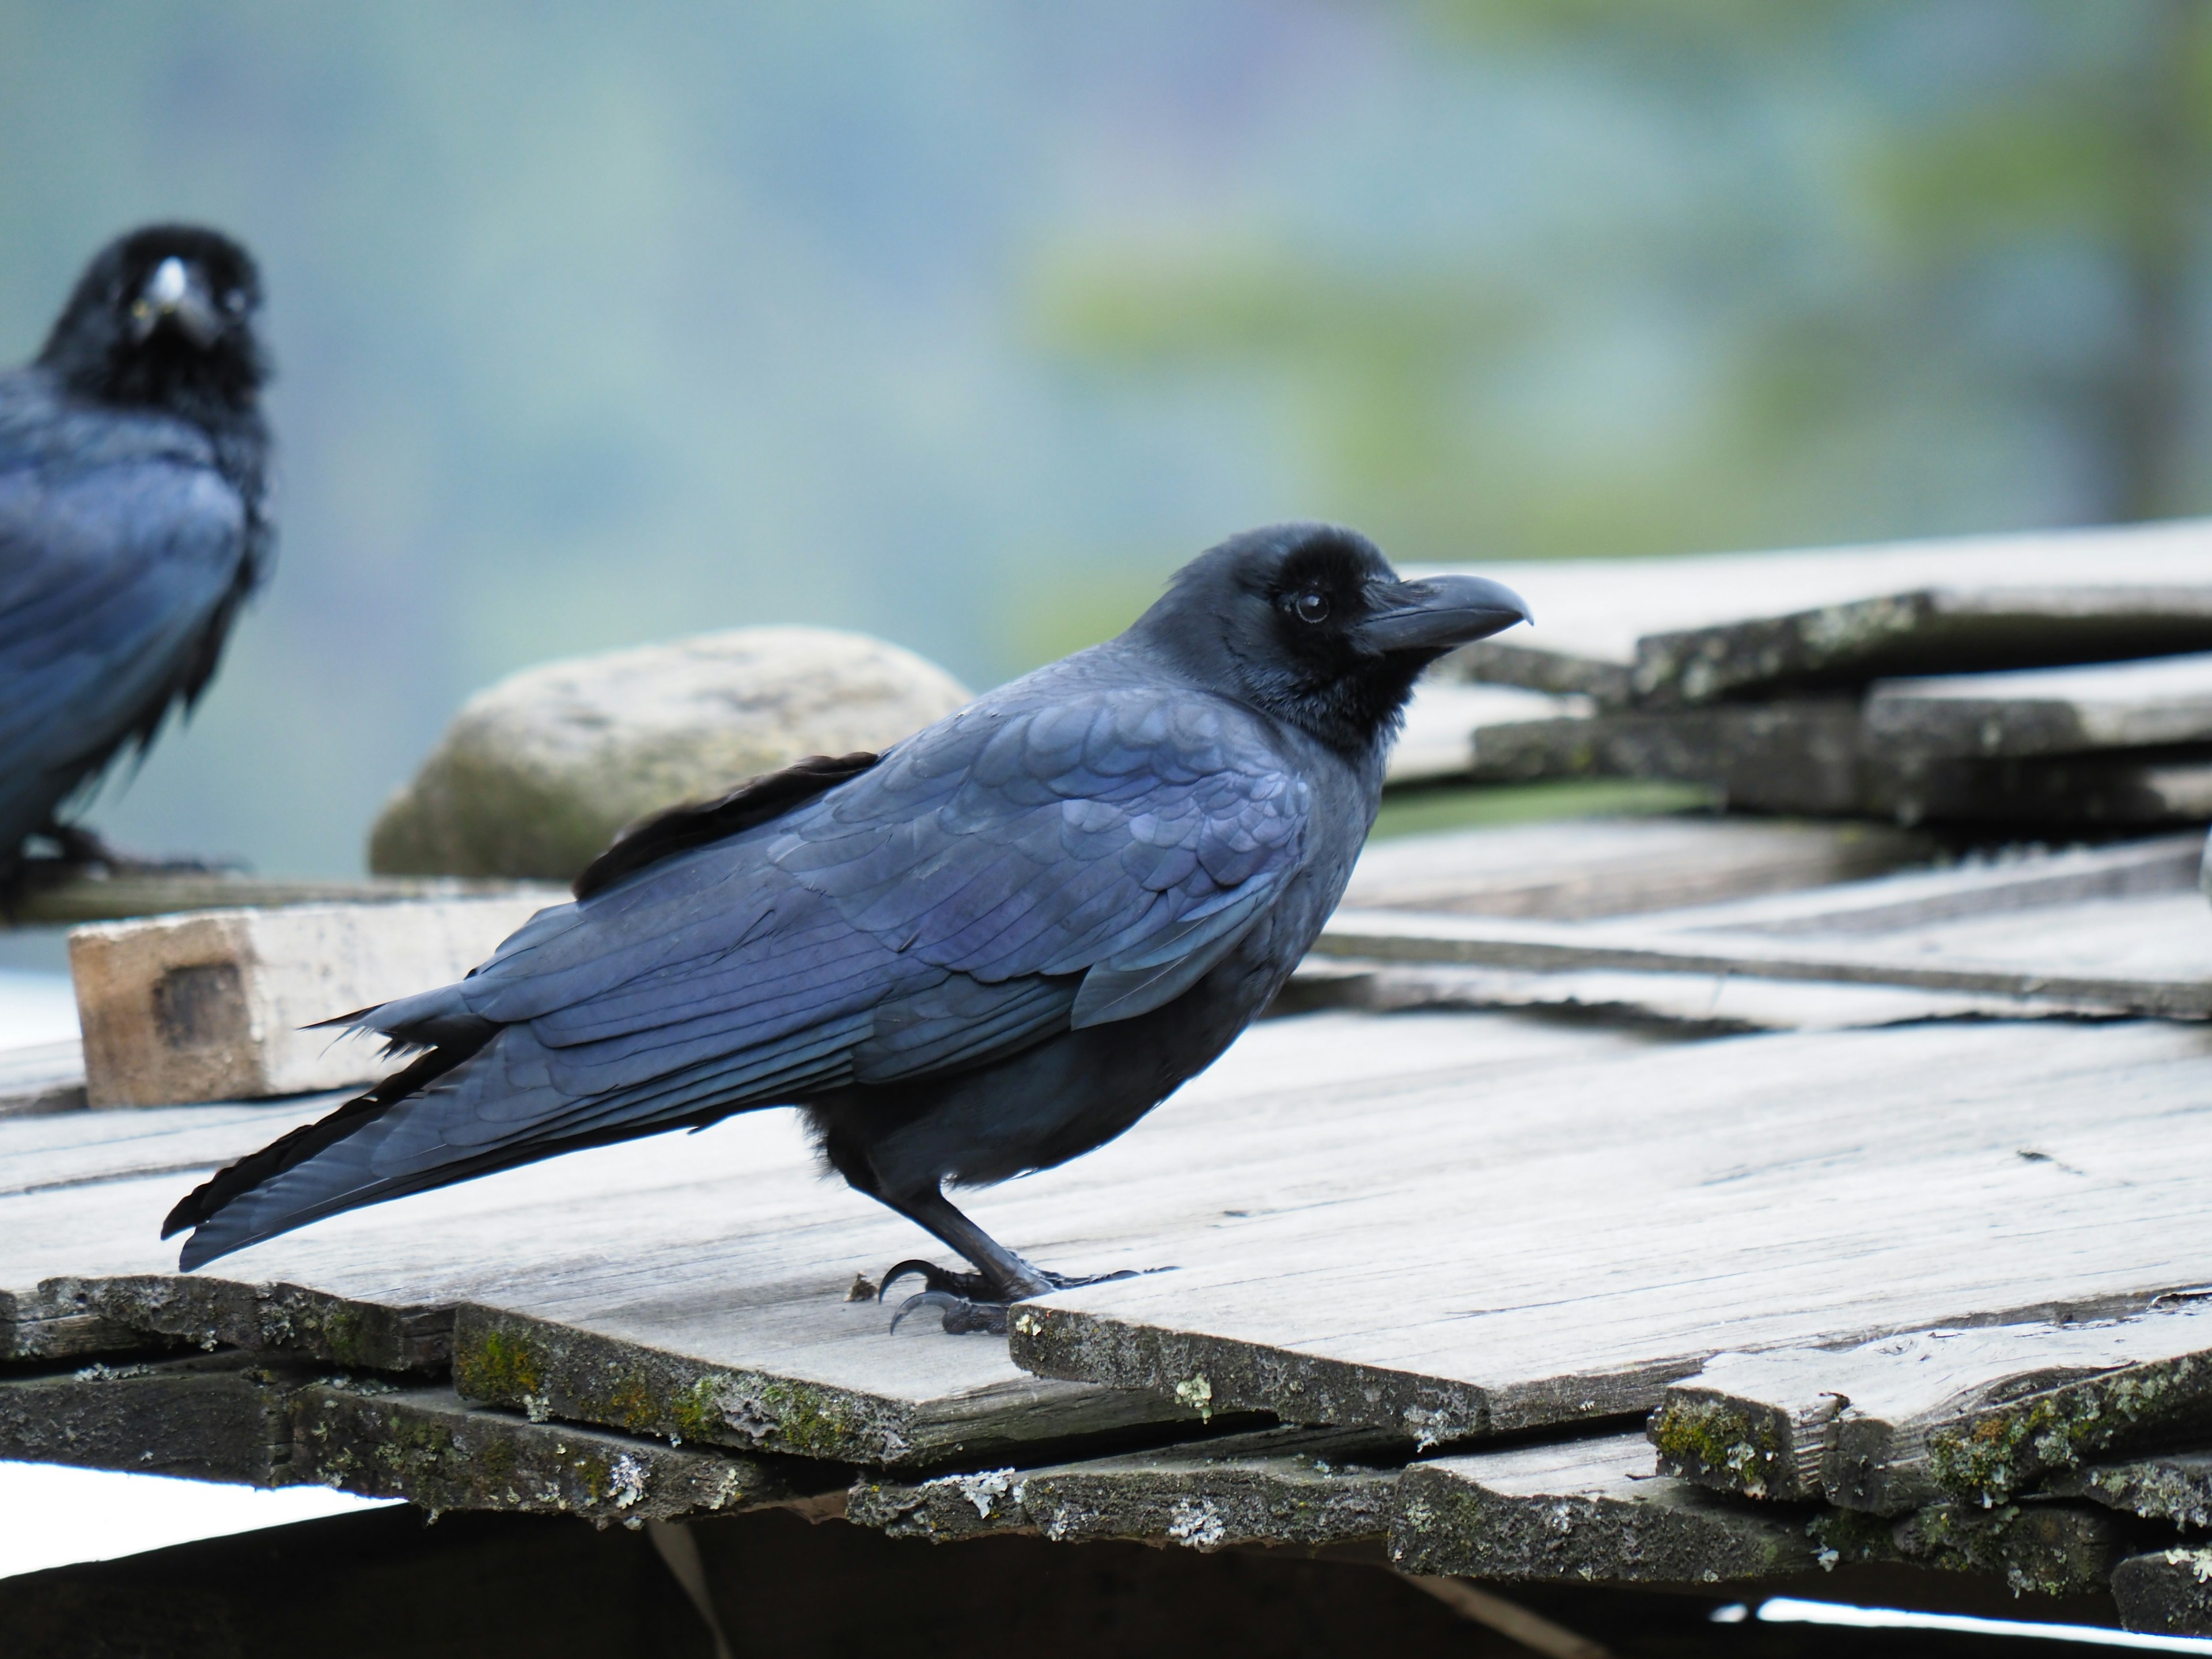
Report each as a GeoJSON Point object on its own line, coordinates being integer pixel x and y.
{"type": "Point", "coordinates": [961, 1315]}
{"type": "Point", "coordinates": [939, 1279]}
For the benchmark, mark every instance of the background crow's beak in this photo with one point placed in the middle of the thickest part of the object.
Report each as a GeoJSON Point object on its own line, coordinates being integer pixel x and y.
{"type": "Point", "coordinates": [176, 293]}
{"type": "Point", "coordinates": [1441, 612]}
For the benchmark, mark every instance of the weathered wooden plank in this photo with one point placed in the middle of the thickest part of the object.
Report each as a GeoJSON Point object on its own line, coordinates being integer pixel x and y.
{"type": "Point", "coordinates": [684, 1379]}
{"type": "Point", "coordinates": [217, 1005]}
{"type": "Point", "coordinates": [2161, 701]}
{"type": "Point", "coordinates": [217, 1418]}
{"type": "Point", "coordinates": [1562, 1243]}
{"type": "Point", "coordinates": [1592, 1510]}
{"type": "Point", "coordinates": [690, 1259]}
{"type": "Point", "coordinates": [2157, 1486]}
{"type": "Point", "coordinates": [1691, 1005]}
{"type": "Point", "coordinates": [2037, 1548]}
{"type": "Point", "coordinates": [1600, 867]}
{"type": "Point", "coordinates": [1853, 611]}
{"type": "Point", "coordinates": [1438, 739]}
{"type": "Point", "coordinates": [98, 896]}
{"type": "Point", "coordinates": [1930, 629]}
{"type": "Point", "coordinates": [1816, 757]}
{"type": "Point", "coordinates": [1599, 1511]}
{"type": "Point", "coordinates": [430, 1447]}
{"type": "Point", "coordinates": [2166, 1593]}
{"type": "Point", "coordinates": [2117, 930]}
{"type": "Point", "coordinates": [1275, 1486]}
{"type": "Point", "coordinates": [1977, 1414]}
{"type": "Point", "coordinates": [47, 1077]}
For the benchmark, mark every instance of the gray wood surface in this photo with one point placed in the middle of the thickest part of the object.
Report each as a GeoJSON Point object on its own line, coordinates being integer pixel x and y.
{"type": "Point", "coordinates": [1311, 1486]}
{"type": "Point", "coordinates": [98, 897]}
{"type": "Point", "coordinates": [1976, 1414]}
{"type": "Point", "coordinates": [710, 1272]}
{"type": "Point", "coordinates": [1586, 1509]}
{"type": "Point", "coordinates": [42, 1077]}
{"type": "Point", "coordinates": [1752, 618]}
{"type": "Point", "coordinates": [1571, 1238]}
{"type": "Point", "coordinates": [1579, 868]}
{"type": "Point", "coordinates": [1817, 756]}
{"type": "Point", "coordinates": [2121, 930]}
{"type": "Point", "coordinates": [2162, 700]}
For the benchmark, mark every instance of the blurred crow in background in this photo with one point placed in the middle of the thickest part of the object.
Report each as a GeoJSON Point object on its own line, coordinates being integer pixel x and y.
{"type": "Point", "coordinates": [990, 949]}
{"type": "Point", "coordinates": [133, 519]}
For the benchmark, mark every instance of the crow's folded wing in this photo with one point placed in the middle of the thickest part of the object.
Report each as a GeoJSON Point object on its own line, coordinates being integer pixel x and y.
{"type": "Point", "coordinates": [111, 575]}
{"type": "Point", "coordinates": [996, 878]}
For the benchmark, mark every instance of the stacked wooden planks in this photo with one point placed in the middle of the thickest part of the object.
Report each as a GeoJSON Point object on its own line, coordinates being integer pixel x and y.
{"type": "Point", "coordinates": [1995, 681]}
{"type": "Point", "coordinates": [1848, 1294]}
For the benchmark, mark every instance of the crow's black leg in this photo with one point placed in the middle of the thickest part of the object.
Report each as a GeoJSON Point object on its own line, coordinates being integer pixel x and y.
{"type": "Point", "coordinates": [968, 1302]}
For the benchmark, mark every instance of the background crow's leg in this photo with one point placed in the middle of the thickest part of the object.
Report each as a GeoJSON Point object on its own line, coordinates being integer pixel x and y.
{"type": "Point", "coordinates": [969, 1302]}
{"type": "Point", "coordinates": [77, 847]}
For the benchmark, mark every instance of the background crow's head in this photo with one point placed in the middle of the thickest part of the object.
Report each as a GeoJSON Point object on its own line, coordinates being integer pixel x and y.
{"type": "Point", "coordinates": [1309, 622]}
{"type": "Point", "coordinates": [162, 319]}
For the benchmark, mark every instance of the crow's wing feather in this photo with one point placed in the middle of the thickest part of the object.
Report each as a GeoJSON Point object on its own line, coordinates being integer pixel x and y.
{"type": "Point", "coordinates": [114, 563]}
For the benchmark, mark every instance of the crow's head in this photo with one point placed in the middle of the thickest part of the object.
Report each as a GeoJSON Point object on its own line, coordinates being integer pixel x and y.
{"type": "Point", "coordinates": [163, 318]}
{"type": "Point", "coordinates": [1309, 622]}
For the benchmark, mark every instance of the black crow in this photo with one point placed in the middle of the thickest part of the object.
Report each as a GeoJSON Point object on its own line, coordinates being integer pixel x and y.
{"type": "Point", "coordinates": [134, 516]}
{"type": "Point", "coordinates": [990, 949]}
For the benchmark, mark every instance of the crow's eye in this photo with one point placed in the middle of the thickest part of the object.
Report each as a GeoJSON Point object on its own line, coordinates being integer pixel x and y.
{"type": "Point", "coordinates": [1312, 607]}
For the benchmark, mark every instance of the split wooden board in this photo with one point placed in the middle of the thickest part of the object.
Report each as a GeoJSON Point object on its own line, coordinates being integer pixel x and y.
{"type": "Point", "coordinates": [1566, 1242]}
{"type": "Point", "coordinates": [1718, 624]}
{"type": "Point", "coordinates": [2121, 930]}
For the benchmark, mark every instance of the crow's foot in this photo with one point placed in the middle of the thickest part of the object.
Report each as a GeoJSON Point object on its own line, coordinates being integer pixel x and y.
{"type": "Point", "coordinates": [969, 1302]}
{"type": "Point", "coordinates": [78, 848]}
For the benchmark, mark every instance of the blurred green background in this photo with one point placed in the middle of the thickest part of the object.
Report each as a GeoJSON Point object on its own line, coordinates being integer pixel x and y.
{"type": "Point", "coordinates": [964, 324]}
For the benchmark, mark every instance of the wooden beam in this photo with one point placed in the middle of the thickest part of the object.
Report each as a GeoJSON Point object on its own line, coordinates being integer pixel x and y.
{"type": "Point", "coordinates": [2165, 1593]}
{"type": "Point", "coordinates": [210, 1418]}
{"type": "Point", "coordinates": [2173, 1485]}
{"type": "Point", "coordinates": [222, 1005]}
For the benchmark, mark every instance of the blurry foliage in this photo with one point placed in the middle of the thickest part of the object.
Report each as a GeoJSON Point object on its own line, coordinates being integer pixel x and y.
{"type": "Point", "coordinates": [1934, 267]}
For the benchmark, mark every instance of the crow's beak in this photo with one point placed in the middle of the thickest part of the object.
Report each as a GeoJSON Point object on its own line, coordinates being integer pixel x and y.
{"type": "Point", "coordinates": [176, 294]}
{"type": "Point", "coordinates": [1440, 613]}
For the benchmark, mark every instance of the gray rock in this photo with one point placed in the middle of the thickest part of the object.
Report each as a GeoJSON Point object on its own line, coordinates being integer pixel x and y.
{"type": "Point", "coordinates": [536, 775]}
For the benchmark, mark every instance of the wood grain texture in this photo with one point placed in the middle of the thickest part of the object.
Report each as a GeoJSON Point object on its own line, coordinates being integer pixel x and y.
{"type": "Point", "coordinates": [1901, 607]}
{"type": "Point", "coordinates": [1977, 1415]}
{"type": "Point", "coordinates": [1570, 1240]}
{"type": "Point", "coordinates": [431, 1448]}
{"type": "Point", "coordinates": [1276, 1486]}
{"type": "Point", "coordinates": [2117, 931]}
{"type": "Point", "coordinates": [1818, 757]}
{"type": "Point", "coordinates": [1582, 868]}
{"type": "Point", "coordinates": [2159, 702]}
{"type": "Point", "coordinates": [1594, 1511]}
{"type": "Point", "coordinates": [214, 1418]}
{"type": "Point", "coordinates": [681, 1261]}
